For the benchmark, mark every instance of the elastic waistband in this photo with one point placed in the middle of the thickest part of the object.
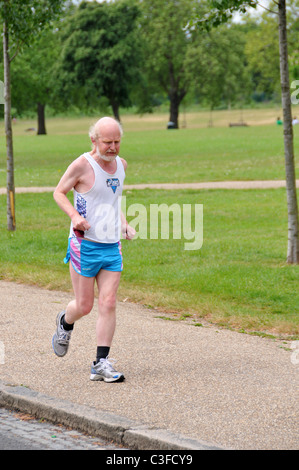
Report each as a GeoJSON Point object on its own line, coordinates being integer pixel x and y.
{"type": "Point", "coordinates": [98, 244]}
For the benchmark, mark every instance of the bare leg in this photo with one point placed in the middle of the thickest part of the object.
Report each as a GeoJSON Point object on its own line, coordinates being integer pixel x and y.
{"type": "Point", "coordinates": [84, 297]}
{"type": "Point", "coordinates": [108, 282]}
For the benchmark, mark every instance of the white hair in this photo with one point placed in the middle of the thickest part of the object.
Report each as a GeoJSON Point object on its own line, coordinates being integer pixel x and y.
{"type": "Point", "coordinates": [95, 129]}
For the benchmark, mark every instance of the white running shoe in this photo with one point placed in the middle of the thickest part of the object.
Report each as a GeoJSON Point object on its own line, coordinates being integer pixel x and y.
{"type": "Point", "coordinates": [103, 370]}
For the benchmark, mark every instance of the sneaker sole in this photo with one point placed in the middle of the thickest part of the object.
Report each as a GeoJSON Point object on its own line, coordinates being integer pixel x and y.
{"type": "Point", "coordinates": [98, 378]}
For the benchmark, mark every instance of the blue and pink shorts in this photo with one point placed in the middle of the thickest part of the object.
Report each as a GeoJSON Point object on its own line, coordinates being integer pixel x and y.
{"type": "Point", "coordinates": [88, 257]}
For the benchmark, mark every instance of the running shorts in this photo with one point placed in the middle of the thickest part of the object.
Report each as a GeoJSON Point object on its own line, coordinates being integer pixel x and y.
{"type": "Point", "coordinates": [88, 257]}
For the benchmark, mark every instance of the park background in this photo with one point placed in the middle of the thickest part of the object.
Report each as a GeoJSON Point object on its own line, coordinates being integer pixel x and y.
{"type": "Point", "coordinates": [202, 82]}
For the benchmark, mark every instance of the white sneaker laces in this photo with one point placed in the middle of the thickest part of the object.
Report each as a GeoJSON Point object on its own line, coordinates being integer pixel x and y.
{"type": "Point", "coordinates": [107, 364]}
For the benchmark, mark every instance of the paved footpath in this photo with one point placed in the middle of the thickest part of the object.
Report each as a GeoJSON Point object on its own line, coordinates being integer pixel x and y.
{"type": "Point", "coordinates": [186, 387]}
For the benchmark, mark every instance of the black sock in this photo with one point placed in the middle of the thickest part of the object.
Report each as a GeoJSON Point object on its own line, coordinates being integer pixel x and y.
{"type": "Point", "coordinates": [102, 352]}
{"type": "Point", "coordinates": [66, 326]}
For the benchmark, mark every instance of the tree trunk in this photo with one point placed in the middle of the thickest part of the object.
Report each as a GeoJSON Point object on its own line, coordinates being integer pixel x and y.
{"type": "Point", "coordinates": [293, 242]}
{"type": "Point", "coordinates": [176, 96]}
{"type": "Point", "coordinates": [11, 218]}
{"type": "Point", "coordinates": [174, 109]}
{"type": "Point", "coordinates": [115, 109]}
{"type": "Point", "coordinates": [41, 122]}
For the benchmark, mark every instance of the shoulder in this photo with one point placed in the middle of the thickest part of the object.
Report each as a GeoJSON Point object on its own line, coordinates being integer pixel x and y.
{"type": "Point", "coordinates": [125, 164]}
{"type": "Point", "coordinates": [78, 165]}
{"type": "Point", "coordinates": [78, 168]}
{"type": "Point", "coordinates": [73, 175]}
{"type": "Point", "coordinates": [80, 161]}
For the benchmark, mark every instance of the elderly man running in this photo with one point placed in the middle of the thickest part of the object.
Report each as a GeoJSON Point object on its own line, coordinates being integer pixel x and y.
{"type": "Point", "coordinates": [94, 248]}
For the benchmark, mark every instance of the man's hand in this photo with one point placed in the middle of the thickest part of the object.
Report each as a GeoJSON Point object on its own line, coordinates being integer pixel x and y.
{"type": "Point", "coordinates": [79, 223]}
{"type": "Point", "coordinates": [128, 232]}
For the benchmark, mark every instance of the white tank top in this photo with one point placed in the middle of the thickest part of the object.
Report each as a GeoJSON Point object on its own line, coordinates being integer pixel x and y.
{"type": "Point", "coordinates": [101, 205]}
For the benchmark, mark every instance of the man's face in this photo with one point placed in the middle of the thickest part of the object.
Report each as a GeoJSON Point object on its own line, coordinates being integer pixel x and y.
{"type": "Point", "coordinates": [108, 144]}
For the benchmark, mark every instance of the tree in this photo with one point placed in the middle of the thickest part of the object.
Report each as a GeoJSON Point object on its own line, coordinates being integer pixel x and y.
{"type": "Point", "coordinates": [22, 20]}
{"type": "Point", "coordinates": [222, 10]}
{"type": "Point", "coordinates": [293, 238]}
{"type": "Point", "coordinates": [100, 55]}
{"type": "Point", "coordinates": [167, 45]}
{"type": "Point", "coordinates": [293, 32]}
{"type": "Point", "coordinates": [218, 60]}
{"type": "Point", "coordinates": [262, 52]}
{"type": "Point", "coordinates": [32, 72]}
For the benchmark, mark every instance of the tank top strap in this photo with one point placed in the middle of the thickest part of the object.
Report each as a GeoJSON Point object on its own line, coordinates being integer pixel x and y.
{"type": "Point", "coordinates": [92, 161]}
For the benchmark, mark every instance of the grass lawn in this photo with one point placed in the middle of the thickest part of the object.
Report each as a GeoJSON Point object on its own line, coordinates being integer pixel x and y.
{"type": "Point", "coordinates": [154, 154]}
{"type": "Point", "coordinates": [239, 277]}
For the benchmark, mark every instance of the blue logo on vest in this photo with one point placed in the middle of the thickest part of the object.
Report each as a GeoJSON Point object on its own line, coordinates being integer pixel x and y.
{"type": "Point", "coordinates": [113, 183]}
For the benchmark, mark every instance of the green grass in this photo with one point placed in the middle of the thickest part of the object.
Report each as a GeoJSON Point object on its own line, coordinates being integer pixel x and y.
{"type": "Point", "coordinates": [41, 160]}
{"type": "Point", "coordinates": [195, 154]}
{"type": "Point", "coordinates": [237, 279]}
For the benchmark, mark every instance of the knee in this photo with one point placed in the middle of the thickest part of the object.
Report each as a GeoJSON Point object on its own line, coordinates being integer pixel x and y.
{"type": "Point", "coordinates": [108, 302]}
{"type": "Point", "coordinates": [84, 307]}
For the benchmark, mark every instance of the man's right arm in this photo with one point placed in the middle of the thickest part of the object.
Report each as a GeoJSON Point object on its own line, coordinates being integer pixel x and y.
{"type": "Point", "coordinates": [68, 181]}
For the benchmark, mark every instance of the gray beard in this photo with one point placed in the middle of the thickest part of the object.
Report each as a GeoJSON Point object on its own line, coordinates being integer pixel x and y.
{"type": "Point", "coordinates": [104, 157]}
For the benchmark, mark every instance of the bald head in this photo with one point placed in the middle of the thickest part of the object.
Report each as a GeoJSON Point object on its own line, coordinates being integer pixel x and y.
{"type": "Point", "coordinates": [106, 135]}
{"type": "Point", "coordinates": [104, 125]}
